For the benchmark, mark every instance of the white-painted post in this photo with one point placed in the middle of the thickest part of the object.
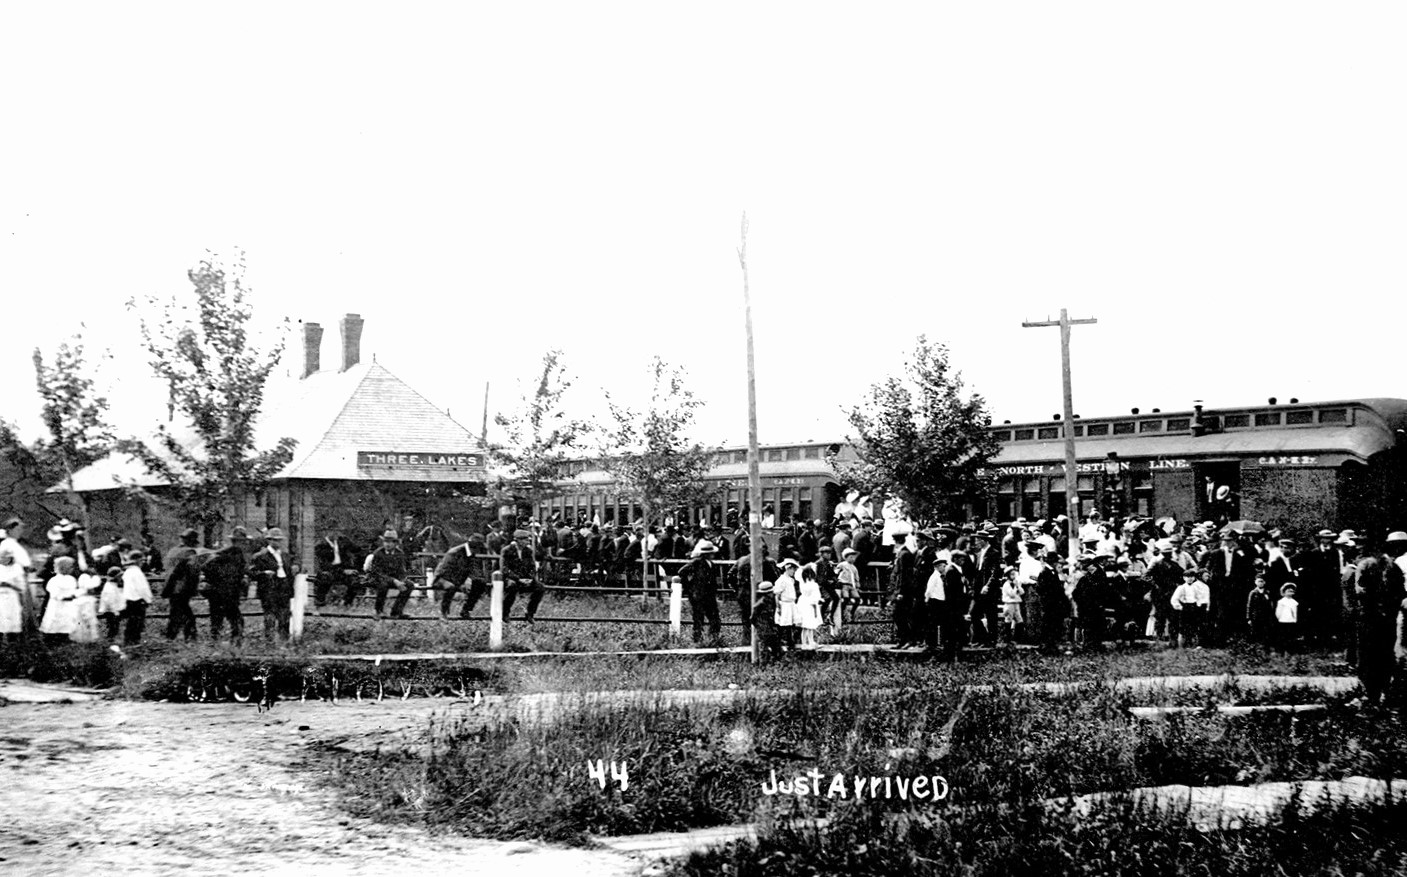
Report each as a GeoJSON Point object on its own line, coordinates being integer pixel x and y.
{"type": "Point", "coordinates": [676, 606]}
{"type": "Point", "coordinates": [299, 606]}
{"type": "Point", "coordinates": [496, 612]}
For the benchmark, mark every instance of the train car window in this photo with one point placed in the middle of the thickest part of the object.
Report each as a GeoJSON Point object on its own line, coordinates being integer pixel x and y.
{"type": "Point", "coordinates": [1150, 426]}
{"type": "Point", "coordinates": [1049, 432]}
{"type": "Point", "coordinates": [1235, 421]}
{"type": "Point", "coordinates": [812, 453]}
{"type": "Point", "coordinates": [774, 455]}
{"type": "Point", "coordinates": [1294, 418]}
{"type": "Point", "coordinates": [1079, 431]}
{"type": "Point", "coordinates": [1179, 424]}
{"type": "Point", "coordinates": [1025, 435]}
{"type": "Point", "coordinates": [740, 456]}
{"type": "Point", "coordinates": [1125, 428]}
{"type": "Point", "coordinates": [1333, 415]}
{"type": "Point", "coordinates": [1271, 419]}
{"type": "Point", "coordinates": [1002, 435]}
{"type": "Point", "coordinates": [793, 453]}
{"type": "Point", "coordinates": [1097, 429]}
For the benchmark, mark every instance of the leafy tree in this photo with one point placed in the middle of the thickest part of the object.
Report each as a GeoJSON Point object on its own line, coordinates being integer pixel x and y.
{"type": "Point", "coordinates": [648, 453]}
{"type": "Point", "coordinates": [918, 438]}
{"type": "Point", "coordinates": [74, 415]}
{"type": "Point", "coordinates": [217, 378]}
{"type": "Point", "coordinates": [541, 438]}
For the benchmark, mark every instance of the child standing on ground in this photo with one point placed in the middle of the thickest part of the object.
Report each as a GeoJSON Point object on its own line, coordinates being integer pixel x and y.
{"type": "Point", "coordinates": [1186, 613]}
{"type": "Point", "coordinates": [1287, 618]}
{"type": "Point", "coordinates": [136, 590]}
{"type": "Point", "coordinates": [1012, 597]}
{"type": "Point", "coordinates": [764, 620]}
{"type": "Point", "coordinates": [849, 577]}
{"type": "Point", "coordinates": [786, 593]}
{"type": "Point", "coordinates": [808, 607]}
{"type": "Point", "coordinates": [111, 603]}
{"type": "Point", "coordinates": [85, 611]}
{"type": "Point", "coordinates": [61, 615]}
{"type": "Point", "coordinates": [1260, 613]}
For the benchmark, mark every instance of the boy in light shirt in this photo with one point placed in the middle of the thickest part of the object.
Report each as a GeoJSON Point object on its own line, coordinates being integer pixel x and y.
{"type": "Point", "coordinates": [136, 591]}
{"type": "Point", "coordinates": [1287, 618]}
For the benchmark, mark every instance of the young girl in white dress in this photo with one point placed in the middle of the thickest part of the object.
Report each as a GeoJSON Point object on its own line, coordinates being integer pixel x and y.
{"type": "Point", "coordinates": [787, 593]}
{"type": "Point", "coordinates": [61, 615]}
{"type": "Point", "coordinates": [808, 607]}
{"type": "Point", "coordinates": [85, 627]}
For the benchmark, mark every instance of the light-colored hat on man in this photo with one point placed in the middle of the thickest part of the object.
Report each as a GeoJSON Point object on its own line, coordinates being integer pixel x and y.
{"type": "Point", "coordinates": [704, 547]}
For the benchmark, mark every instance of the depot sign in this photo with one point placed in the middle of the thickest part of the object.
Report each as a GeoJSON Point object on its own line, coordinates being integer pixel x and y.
{"type": "Point", "coordinates": [418, 460]}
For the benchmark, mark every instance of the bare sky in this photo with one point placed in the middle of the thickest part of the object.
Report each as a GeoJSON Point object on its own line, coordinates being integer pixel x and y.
{"type": "Point", "coordinates": [1223, 185]}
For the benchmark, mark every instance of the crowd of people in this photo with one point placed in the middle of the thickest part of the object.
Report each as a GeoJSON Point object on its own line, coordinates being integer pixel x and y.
{"type": "Point", "coordinates": [947, 587]}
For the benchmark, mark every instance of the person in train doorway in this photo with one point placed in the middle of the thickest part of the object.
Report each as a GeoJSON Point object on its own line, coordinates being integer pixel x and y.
{"type": "Point", "coordinates": [699, 581]}
{"type": "Point", "coordinates": [272, 572]}
{"type": "Point", "coordinates": [387, 568]}
{"type": "Point", "coordinates": [336, 558]}
{"type": "Point", "coordinates": [520, 575]}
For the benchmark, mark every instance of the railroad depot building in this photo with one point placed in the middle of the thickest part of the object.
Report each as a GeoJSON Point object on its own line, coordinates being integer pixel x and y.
{"type": "Point", "coordinates": [372, 454]}
{"type": "Point", "coordinates": [1303, 466]}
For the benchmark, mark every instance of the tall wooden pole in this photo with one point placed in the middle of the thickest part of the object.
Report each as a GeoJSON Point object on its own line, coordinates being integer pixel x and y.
{"type": "Point", "coordinates": [754, 476]}
{"type": "Point", "coordinates": [484, 430]}
{"type": "Point", "coordinates": [1072, 488]}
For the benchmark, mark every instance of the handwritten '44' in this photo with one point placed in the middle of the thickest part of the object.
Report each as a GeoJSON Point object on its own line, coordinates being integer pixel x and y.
{"type": "Point", "coordinates": [596, 770]}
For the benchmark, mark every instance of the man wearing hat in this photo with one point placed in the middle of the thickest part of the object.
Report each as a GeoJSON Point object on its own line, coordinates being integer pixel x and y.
{"type": "Point", "coordinates": [182, 583]}
{"type": "Point", "coordinates": [1232, 576]}
{"type": "Point", "coordinates": [462, 563]}
{"type": "Point", "coordinates": [386, 567]}
{"type": "Point", "coordinates": [1165, 576]}
{"type": "Point", "coordinates": [1320, 578]}
{"type": "Point", "coordinates": [907, 625]}
{"type": "Point", "coordinates": [699, 580]}
{"type": "Point", "coordinates": [272, 571]}
{"type": "Point", "coordinates": [1046, 602]}
{"type": "Point", "coordinates": [224, 573]}
{"type": "Point", "coordinates": [1282, 566]}
{"type": "Point", "coordinates": [515, 561]}
{"type": "Point", "coordinates": [336, 559]}
{"type": "Point", "coordinates": [742, 579]}
{"type": "Point", "coordinates": [1379, 587]}
{"type": "Point", "coordinates": [986, 587]}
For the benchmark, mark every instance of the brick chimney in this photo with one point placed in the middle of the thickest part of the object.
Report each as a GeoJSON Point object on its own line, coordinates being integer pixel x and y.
{"type": "Point", "coordinates": [351, 340]}
{"type": "Point", "coordinates": [312, 348]}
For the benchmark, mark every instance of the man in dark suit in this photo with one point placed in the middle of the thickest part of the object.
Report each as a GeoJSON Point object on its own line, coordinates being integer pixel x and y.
{"type": "Point", "coordinates": [1320, 582]}
{"type": "Point", "coordinates": [520, 575]}
{"type": "Point", "coordinates": [986, 586]}
{"type": "Point", "coordinates": [907, 628]}
{"type": "Point", "coordinates": [272, 571]}
{"type": "Point", "coordinates": [224, 573]}
{"type": "Point", "coordinates": [182, 583]}
{"type": "Point", "coordinates": [336, 559]}
{"type": "Point", "coordinates": [462, 563]}
{"type": "Point", "coordinates": [806, 543]}
{"type": "Point", "coordinates": [386, 567]}
{"type": "Point", "coordinates": [1233, 574]}
{"type": "Point", "coordinates": [699, 581]}
{"type": "Point", "coordinates": [1283, 567]}
{"type": "Point", "coordinates": [742, 578]}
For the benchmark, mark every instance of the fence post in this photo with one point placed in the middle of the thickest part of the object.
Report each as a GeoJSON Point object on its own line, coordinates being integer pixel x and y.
{"type": "Point", "coordinates": [300, 605]}
{"type": "Point", "coordinates": [496, 612]}
{"type": "Point", "coordinates": [676, 606]}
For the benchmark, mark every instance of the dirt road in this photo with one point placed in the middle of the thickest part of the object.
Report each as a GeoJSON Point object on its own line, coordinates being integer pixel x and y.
{"type": "Point", "coordinates": [142, 788]}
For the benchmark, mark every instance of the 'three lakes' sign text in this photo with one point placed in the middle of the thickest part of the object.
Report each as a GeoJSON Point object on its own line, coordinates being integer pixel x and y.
{"type": "Point", "coordinates": [420, 460]}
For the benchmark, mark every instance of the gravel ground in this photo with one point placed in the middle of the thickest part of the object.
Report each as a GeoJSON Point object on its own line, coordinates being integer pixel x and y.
{"type": "Point", "coordinates": [116, 787]}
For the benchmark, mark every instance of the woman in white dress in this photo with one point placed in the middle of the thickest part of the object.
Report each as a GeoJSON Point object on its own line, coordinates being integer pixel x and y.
{"type": "Point", "coordinates": [85, 628]}
{"type": "Point", "coordinates": [61, 615]}
{"type": "Point", "coordinates": [12, 587]}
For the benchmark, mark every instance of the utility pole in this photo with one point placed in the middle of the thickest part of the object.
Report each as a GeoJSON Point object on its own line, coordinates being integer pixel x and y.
{"type": "Point", "coordinates": [1072, 491]}
{"type": "Point", "coordinates": [484, 430]}
{"type": "Point", "coordinates": [754, 476]}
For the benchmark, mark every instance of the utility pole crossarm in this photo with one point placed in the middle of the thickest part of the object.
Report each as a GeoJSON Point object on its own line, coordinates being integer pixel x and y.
{"type": "Point", "coordinates": [1029, 325]}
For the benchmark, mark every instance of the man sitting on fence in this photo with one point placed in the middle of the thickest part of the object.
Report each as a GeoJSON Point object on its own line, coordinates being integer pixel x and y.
{"type": "Point", "coordinates": [387, 568]}
{"type": "Point", "coordinates": [700, 585]}
{"type": "Point", "coordinates": [519, 574]}
{"type": "Point", "coordinates": [461, 564]}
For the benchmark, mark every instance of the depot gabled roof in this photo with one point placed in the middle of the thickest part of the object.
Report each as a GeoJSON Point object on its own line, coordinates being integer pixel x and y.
{"type": "Point", "coordinates": [333, 416]}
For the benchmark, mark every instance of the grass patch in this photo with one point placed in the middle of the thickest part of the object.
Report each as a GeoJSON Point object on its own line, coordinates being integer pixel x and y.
{"type": "Point", "coordinates": [89, 665]}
